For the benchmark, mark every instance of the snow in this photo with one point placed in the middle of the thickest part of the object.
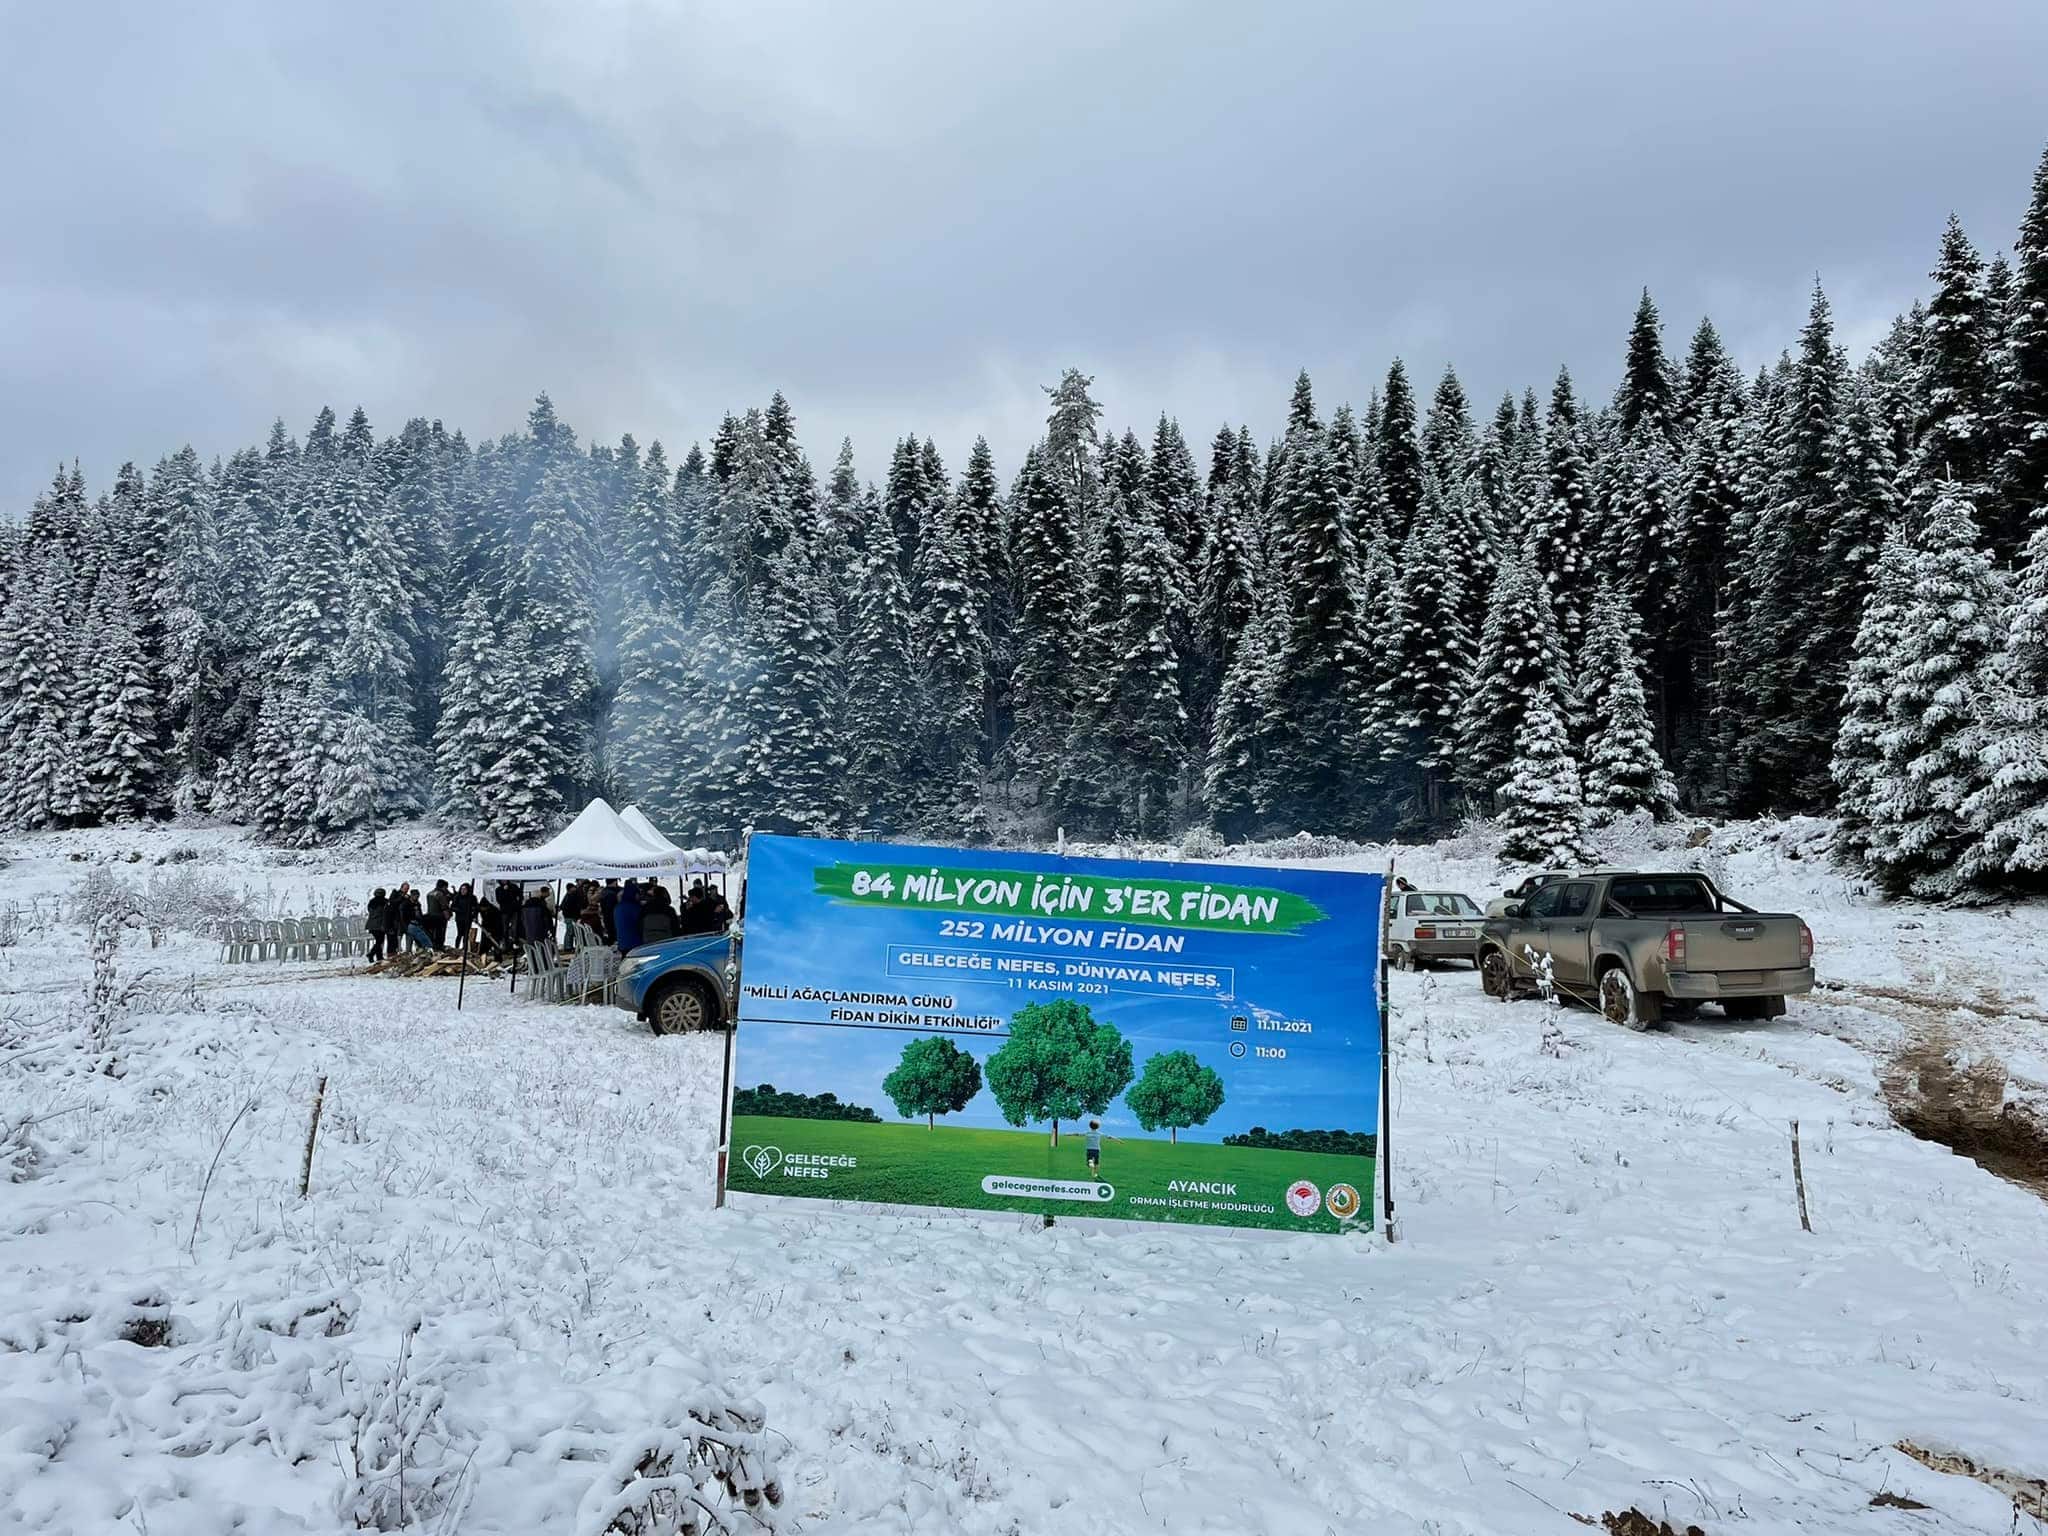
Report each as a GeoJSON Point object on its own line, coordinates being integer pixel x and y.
{"type": "Point", "coordinates": [1601, 1296]}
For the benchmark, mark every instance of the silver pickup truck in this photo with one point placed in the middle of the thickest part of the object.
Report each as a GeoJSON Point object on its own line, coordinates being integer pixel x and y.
{"type": "Point", "coordinates": [1642, 945]}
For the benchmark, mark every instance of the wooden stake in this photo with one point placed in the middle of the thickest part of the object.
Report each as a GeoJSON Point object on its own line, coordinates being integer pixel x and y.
{"type": "Point", "coordinates": [312, 1130]}
{"type": "Point", "coordinates": [1799, 1180]}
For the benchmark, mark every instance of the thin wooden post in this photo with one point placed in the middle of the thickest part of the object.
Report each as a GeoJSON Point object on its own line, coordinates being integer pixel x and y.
{"type": "Point", "coordinates": [312, 1130]}
{"type": "Point", "coordinates": [1799, 1180]}
{"type": "Point", "coordinates": [1383, 1147]}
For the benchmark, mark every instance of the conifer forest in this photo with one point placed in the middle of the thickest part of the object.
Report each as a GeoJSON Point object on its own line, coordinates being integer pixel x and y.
{"type": "Point", "coordinates": [1815, 585]}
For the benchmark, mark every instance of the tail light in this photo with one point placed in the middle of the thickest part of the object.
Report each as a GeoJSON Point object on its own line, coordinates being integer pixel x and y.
{"type": "Point", "coordinates": [1805, 945]}
{"type": "Point", "coordinates": [1425, 933]}
{"type": "Point", "coordinates": [1674, 944]}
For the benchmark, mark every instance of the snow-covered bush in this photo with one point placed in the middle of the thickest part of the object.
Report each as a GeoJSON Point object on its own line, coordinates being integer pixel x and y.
{"type": "Point", "coordinates": [189, 900]}
{"type": "Point", "coordinates": [708, 1471]}
{"type": "Point", "coordinates": [401, 1465]}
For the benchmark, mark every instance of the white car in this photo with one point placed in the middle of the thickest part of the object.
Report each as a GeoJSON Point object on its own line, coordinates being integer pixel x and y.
{"type": "Point", "coordinates": [1425, 926]}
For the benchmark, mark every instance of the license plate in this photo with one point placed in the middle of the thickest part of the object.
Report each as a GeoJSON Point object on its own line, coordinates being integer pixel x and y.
{"type": "Point", "coordinates": [1741, 978]}
{"type": "Point", "coordinates": [1457, 933]}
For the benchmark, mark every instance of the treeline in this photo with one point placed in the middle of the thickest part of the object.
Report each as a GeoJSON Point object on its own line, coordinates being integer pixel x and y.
{"type": "Point", "coordinates": [767, 1099]}
{"type": "Point", "coordinates": [1712, 591]}
{"type": "Point", "coordinates": [1346, 1143]}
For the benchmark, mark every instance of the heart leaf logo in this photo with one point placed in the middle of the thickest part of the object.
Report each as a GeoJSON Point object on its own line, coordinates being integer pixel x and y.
{"type": "Point", "coordinates": [762, 1160]}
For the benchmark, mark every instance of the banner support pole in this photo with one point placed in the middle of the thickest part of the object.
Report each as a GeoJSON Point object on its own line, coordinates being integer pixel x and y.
{"type": "Point", "coordinates": [732, 1035]}
{"type": "Point", "coordinates": [1385, 1160]}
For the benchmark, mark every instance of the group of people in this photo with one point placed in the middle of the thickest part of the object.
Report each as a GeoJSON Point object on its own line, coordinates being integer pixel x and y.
{"type": "Point", "coordinates": [623, 914]}
{"type": "Point", "coordinates": [405, 919]}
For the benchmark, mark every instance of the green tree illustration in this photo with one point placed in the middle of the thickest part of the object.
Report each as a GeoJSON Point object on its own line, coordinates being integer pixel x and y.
{"type": "Point", "coordinates": [935, 1077]}
{"type": "Point", "coordinates": [1176, 1091]}
{"type": "Point", "coordinates": [1058, 1064]}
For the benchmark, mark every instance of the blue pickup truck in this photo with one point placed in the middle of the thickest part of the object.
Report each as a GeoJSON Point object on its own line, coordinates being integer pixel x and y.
{"type": "Point", "coordinates": [682, 985]}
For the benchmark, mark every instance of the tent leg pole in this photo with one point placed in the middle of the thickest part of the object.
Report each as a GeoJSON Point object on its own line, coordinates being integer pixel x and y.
{"type": "Point", "coordinates": [464, 982]}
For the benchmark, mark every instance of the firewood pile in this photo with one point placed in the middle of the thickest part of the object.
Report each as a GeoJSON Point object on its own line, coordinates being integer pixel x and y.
{"type": "Point", "coordinates": [437, 962]}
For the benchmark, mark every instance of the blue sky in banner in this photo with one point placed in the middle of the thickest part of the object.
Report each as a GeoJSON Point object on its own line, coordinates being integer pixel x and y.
{"type": "Point", "coordinates": [1324, 975]}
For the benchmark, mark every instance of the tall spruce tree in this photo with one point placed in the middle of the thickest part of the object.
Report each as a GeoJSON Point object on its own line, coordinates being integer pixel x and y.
{"type": "Point", "coordinates": [1645, 395]}
{"type": "Point", "coordinates": [1859, 761]}
{"type": "Point", "coordinates": [1624, 772]}
{"type": "Point", "coordinates": [1956, 425]}
{"type": "Point", "coordinates": [1927, 775]}
{"type": "Point", "coordinates": [2008, 741]}
{"type": "Point", "coordinates": [2022, 469]}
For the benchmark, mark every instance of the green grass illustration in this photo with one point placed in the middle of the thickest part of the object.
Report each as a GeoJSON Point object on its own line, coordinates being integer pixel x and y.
{"type": "Point", "coordinates": [913, 1165]}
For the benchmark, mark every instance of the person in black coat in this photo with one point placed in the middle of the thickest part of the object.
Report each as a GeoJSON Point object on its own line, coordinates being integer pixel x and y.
{"type": "Point", "coordinates": [440, 907]}
{"type": "Point", "coordinates": [607, 903]}
{"type": "Point", "coordinates": [536, 924]}
{"type": "Point", "coordinates": [465, 906]}
{"type": "Point", "coordinates": [373, 922]}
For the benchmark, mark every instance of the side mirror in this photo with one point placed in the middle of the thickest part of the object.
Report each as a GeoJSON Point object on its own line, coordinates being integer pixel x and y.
{"type": "Point", "coordinates": [1515, 909]}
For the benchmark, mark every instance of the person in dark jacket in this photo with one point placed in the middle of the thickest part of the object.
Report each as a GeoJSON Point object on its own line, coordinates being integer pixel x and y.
{"type": "Point", "coordinates": [399, 913]}
{"type": "Point", "coordinates": [721, 914]}
{"type": "Point", "coordinates": [490, 926]}
{"type": "Point", "coordinates": [536, 924]}
{"type": "Point", "coordinates": [440, 907]}
{"type": "Point", "coordinates": [509, 899]}
{"type": "Point", "coordinates": [657, 916]}
{"type": "Point", "coordinates": [465, 913]}
{"type": "Point", "coordinates": [696, 914]}
{"type": "Point", "coordinates": [373, 923]}
{"type": "Point", "coordinates": [607, 899]}
{"type": "Point", "coordinates": [626, 918]}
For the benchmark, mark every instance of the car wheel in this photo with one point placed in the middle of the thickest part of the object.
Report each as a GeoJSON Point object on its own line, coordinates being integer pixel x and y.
{"type": "Point", "coordinates": [1494, 979]}
{"type": "Point", "coordinates": [681, 1008]}
{"type": "Point", "coordinates": [1403, 960]}
{"type": "Point", "coordinates": [1621, 1003]}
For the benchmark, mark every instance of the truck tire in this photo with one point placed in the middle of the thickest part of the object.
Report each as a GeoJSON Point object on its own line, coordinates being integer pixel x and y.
{"type": "Point", "coordinates": [1621, 1003]}
{"type": "Point", "coordinates": [684, 1006]}
{"type": "Point", "coordinates": [1496, 978]}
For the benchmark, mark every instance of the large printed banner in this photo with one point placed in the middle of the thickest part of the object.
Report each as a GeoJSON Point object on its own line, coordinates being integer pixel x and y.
{"type": "Point", "coordinates": [1080, 1037]}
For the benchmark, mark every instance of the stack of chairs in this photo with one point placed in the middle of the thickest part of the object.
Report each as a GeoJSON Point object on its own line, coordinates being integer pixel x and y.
{"type": "Point", "coordinates": [594, 968]}
{"type": "Point", "coordinates": [547, 976]}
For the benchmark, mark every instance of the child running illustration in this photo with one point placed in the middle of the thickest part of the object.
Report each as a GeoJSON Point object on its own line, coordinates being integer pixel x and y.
{"type": "Point", "coordinates": [1094, 1142]}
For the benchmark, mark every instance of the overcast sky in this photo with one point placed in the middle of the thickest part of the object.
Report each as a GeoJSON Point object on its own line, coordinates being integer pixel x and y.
{"type": "Point", "coordinates": [910, 217]}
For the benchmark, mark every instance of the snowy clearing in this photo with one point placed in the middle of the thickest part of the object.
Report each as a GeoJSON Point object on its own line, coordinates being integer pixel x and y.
{"type": "Point", "coordinates": [1602, 1298]}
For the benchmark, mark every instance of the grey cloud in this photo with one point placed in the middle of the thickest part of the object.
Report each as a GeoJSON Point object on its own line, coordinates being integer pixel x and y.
{"type": "Point", "coordinates": [910, 216]}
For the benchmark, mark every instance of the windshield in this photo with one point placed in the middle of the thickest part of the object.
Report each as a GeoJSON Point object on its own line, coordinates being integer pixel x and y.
{"type": "Point", "coordinates": [1441, 904]}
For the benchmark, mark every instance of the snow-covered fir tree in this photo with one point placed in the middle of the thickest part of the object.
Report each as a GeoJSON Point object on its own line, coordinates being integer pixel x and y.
{"type": "Point", "coordinates": [1926, 776]}
{"type": "Point", "coordinates": [1624, 772]}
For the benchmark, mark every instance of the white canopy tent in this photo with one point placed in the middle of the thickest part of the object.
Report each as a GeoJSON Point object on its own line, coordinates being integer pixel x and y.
{"type": "Point", "coordinates": [697, 861]}
{"type": "Point", "coordinates": [598, 843]}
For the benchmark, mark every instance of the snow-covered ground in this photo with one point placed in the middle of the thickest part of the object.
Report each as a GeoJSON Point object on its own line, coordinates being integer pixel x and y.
{"type": "Point", "coordinates": [1601, 1298]}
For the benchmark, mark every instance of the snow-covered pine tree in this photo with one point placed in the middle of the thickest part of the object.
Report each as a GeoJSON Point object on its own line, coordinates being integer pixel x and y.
{"type": "Point", "coordinates": [2009, 741]}
{"type": "Point", "coordinates": [882, 716]}
{"type": "Point", "coordinates": [1430, 655]}
{"type": "Point", "coordinates": [952, 664]}
{"type": "Point", "coordinates": [1398, 455]}
{"type": "Point", "coordinates": [793, 772]}
{"type": "Point", "coordinates": [524, 799]}
{"type": "Point", "coordinates": [373, 677]}
{"type": "Point", "coordinates": [1521, 658]}
{"type": "Point", "coordinates": [122, 763]}
{"type": "Point", "coordinates": [38, 694]}
{"type": "Point", "coordinates": [464, 741]}
{"type": "Point", "coordinates": [1785, 679]}
{"type": "Point", "coordinates": [1318, 767]}
{"type": "Point", "coordinates": [1542, 811]}
{"type": "Point", "coordinates": [1244, 720]}
{"type": "Point", "coordinates": [1645, 394]}
{"type": "Point", "coordinates": [2021, 473]}
{"type": "Point", "coordinates": [1956, 421]}
{"type": "Point", "coordinates": [1624, 772]}
{"type": "Point", "coordinates": [1560, 510]}
{"type": "Point", "coordinates": [1087, 786]}
{"type": "Point", "coordinates": [1919, 825]}
{"type": "Point", "coordinates": [1859, 764]}
{"type": "Point", "coordinates": [648, 542]}
{"type": "Point", "coordinates": [1225, 582]}
{"type": "Point", "coordinates": [1042, 554]}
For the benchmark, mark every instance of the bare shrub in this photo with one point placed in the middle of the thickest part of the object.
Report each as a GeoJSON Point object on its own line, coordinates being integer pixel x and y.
{"type": "Point", "coordinates": [708, 1472]}
{"type": "Point", "coordinates": [401, 1468]}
